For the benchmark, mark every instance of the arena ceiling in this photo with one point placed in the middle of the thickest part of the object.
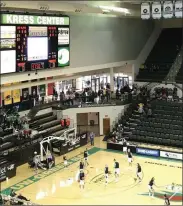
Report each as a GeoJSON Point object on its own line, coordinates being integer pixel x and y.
{"type": "Point", "coordinates": [123, 8]}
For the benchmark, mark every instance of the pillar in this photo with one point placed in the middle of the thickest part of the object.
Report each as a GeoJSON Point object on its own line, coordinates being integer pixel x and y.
{"type": "Point", "coordinates": [112, 79]}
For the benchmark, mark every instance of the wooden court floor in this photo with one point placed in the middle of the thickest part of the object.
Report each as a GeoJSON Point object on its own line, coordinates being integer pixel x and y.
{"type": "Point", "coordinates": [59, 185]}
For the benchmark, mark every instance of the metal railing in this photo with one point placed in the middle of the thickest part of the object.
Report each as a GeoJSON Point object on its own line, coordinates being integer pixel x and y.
{"type": "Point", "coordinates": [170, 78]}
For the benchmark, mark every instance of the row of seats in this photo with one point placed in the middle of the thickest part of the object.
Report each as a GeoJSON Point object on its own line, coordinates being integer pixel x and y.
{"type": "Point", "coordinates": [160, 130]}
{"type": "Point", "coordinates": [157, 141]}
{"type": "Point", "coordinates": [164, 121]}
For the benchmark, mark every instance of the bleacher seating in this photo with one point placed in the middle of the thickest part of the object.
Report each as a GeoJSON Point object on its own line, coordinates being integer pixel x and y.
{"type": "Point", "coordinates": [164, 128]}
{"type": "Point", "coordinates": [162, 56]}
{"type": "Point", "coordinates": [179, 77]}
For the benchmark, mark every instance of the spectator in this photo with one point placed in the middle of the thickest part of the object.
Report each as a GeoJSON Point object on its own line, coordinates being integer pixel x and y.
{"type": "Point", "coordinates": [149, 113]}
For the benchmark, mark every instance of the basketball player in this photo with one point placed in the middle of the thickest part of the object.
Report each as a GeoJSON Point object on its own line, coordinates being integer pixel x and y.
{"type": "Point", "coordinates": [106, 171]}
{"type": "Point", "coordinates": [116, 170]}
{"type": "Point", "coordinates": [130, 157]}
{"type": "Point", "coordinates": [81, 179]}
{"type": "Point", "coordinates": [36, 162]}
{"type": "Point", "coordinates": [124, 146]}
{"type": "Point", "coordinates": [86, 157]}
{"type": "Point", "coordinates": [81, 166]}
{"type": "Point", "coordinates": [150, 186]}
{"type": "Point", "coordinates": [139, 172]}
{"type": "Point", "coordinates": [167, 200]}
{"type": "Point", "coordinates": [65, 162]}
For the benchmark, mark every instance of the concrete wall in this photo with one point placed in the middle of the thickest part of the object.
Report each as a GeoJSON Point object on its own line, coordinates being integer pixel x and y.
{"type": "Point", "coordinates": [101, 40]}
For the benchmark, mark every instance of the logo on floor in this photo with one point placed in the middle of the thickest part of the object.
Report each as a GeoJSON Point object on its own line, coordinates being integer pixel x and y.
{"type": "Point", "coordinates": [173, 191]}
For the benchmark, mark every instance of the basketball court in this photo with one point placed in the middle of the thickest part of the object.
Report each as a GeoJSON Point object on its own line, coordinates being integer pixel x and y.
{"type": "Point", "coordinates": [59, 186]}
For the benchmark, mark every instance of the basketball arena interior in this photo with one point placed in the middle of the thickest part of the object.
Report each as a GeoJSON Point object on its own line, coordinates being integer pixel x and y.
{"type": "Point", "coordinates": [91, 102]}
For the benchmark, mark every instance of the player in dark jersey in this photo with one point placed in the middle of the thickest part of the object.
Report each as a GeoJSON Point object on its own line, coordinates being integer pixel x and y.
{"type": "Point", "coordinates": [139, 172]}
{"type": "Point", "coordinates": [130, 157]}
{"type": "Point", "coordinates": [65, 161]}
{"type": "Point", "coordinates": [116, 169]}
{"type": "Point", "coordinates": [150, 186]}
{"type": "Point", "coordinates": [81, 179]}
{"type": "Point", "coordinates": [167, 200]}
{"type": "Point", "coordinates": [106, 173]}
{"type": "Point", "coordinates": [86, 157]}
{"type": "Point", "coordinates": [81, 166]}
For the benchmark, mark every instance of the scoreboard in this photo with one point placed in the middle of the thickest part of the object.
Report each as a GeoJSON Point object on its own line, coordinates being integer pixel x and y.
{"type": "Point", "coordinates": [31, 42]}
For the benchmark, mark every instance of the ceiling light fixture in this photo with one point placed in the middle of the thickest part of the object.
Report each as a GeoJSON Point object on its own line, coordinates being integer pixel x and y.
{"type": "Point", "coordinates": [115, 9]}
{"type": "Point", "coordinates": [105, 10]}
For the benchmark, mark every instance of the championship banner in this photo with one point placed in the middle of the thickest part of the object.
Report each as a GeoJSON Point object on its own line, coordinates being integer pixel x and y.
{"type": "Point", "coordinates": [145, 11]}
{"type": "Point", "coordinates": [156, 10]}
{"type": "Point", "coordinates": [63, 36]}
{"type": "Point", "coordinates": [34, 91]}
{"type": "Point", "coordinates": [178, 9]}
{"type": "Point", "coordinates": [42, 90]}
{"type": "Point", "coordinates": [16, 96]}
{"type": "Point", "coordinates": [50, 88]}
{"type": "Point", "coordinates": [168, 9]}
{"type": "Point", "coordinates": [25, 94]}
{"type": "Point", "coordinates": [7, 97]}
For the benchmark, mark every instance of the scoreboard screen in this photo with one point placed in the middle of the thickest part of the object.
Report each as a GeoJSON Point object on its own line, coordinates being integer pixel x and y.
{"type": "Point", "coordinates": [34, 42]}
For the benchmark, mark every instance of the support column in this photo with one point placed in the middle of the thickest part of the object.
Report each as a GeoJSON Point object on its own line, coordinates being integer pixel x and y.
{"type": "Point", "coordinates": [112, 79]}
{"type": "Point", "coordinates": [79, 83]}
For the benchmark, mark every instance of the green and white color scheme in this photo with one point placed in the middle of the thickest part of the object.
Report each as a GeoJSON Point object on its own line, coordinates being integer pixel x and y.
{"type": "Point", "coordinates": [63, 56]}
{"type": "Point", "coordinates": [33, 20]}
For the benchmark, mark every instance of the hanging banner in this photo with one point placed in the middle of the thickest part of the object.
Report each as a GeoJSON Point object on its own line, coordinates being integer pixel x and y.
{"type": "Point", "coordinates": [145, 11]}
{"type": "Point", "coordinates": [156, 10]}
{"type": "Point", "coordinates": [25, 94]}
{"type": "Point", "coordinates": [168, 9]}
{"type": "Point", "coordinates": [178, 9]}
{"type": "Point", "coordinates": [7, 97]}
{"type": "Point", "coordinates": [50, 88]}
{"type": "Point", "coordinates": [16, 96]}
{"type": "Point", "coordinates": [42, 90]}
{"type": "Point", "coordinates": [34, 91]}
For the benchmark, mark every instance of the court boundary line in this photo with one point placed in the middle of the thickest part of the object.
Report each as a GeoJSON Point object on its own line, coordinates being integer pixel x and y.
{"type": "Point", "coordinates": [71, 161]}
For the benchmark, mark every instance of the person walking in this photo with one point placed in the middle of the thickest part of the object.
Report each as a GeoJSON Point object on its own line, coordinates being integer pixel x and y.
{"type": "Point", "coordinates": [92, 136]}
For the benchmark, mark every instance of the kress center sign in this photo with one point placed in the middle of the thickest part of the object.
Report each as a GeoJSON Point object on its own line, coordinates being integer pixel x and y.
{"type": "Point", "coordinates": [33, 20]}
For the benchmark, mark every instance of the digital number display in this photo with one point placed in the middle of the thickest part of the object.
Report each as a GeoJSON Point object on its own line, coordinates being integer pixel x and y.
{"type": "Point", "coordinates": [36, 66]}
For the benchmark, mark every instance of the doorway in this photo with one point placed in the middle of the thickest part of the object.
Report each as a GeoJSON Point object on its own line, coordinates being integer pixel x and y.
{"type": "Point", "coordinates": [106, 126]}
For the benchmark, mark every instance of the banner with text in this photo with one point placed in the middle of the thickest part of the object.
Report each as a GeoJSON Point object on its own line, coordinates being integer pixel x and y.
{"type": "Point", "coordinates": [7, 97]}
{"type": "Point", "coordinates": [148, 152]}
{"type": "Point", "coordinates": [63, 36]}
{"type": "Point", "coordinates": [25, 94]}
{"type": "Point", "coordinates": [145, 11]}
{"type": "Point", "coordinates": [16, 96]}
{"type": "Point", "coordinates": [42, 90]}
{"type": "Point", "coordinates": [34, 91]}
{"type": "Point", "coordinates": [178, 9]}
{"type": "Point", "coordinates": [33, 20]}
{"type": "Point", "coordinates": [168, 9]}
{"type": "Point", "coordinates": [171, 155]}
{"type": "Point", "coordinates": [156, 10]}
{"type": "Point", "coordinates": [50, 88]}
